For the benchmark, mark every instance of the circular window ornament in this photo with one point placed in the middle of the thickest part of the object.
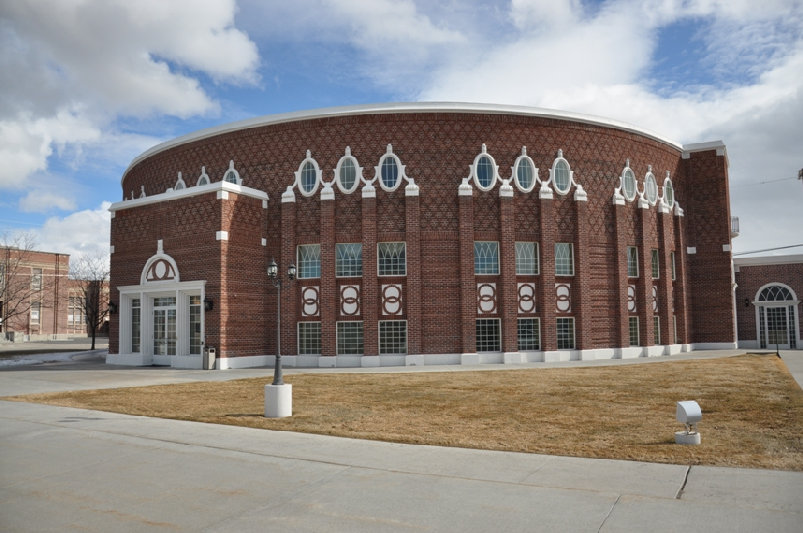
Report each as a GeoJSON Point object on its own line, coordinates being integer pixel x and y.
{"type": "Point", "coordinates": [651, 188]}
{"type": "Point", "coordinates": [389, 173]}
{"type": "Point", "coordinates": [561, 176]}
{"type": "Point", "coordinates": [525, 174]}
{"type": "Point", "coordinates": [629, 184]}
{"type": "Point", "coordinates": [669, 193]}
{"type": "Point", "coordinates": [347, 175]}
{"type": "Point", "coordinates": [308, 176]}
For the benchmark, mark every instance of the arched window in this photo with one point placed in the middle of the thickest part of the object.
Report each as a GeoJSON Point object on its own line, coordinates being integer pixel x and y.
{"type": "Point", "coordinates": [348, 173]}
{"type": "Point", "coordinates": [669, 192]}
{"type": "Point", "coordinates": [561, 174]}
{"type": "Point", "coordinates": [524, 172]}
{"type": "Point", "coordinates": [390, 170]}
{"type": "Point", "coordinates": [651, 187]}
{"type": "Point", "coordinates": [203, 179]}
{"type": "Point", "coordinates": [231, 175]}
{"type": "Point", "coordinates": [484, 170]}
{"type": "Point", "coordinates": [777, 317]}
{"type": "Point", "coordinates": [179, 183]}
{"type": "Point", "coordinates": [308, 176]}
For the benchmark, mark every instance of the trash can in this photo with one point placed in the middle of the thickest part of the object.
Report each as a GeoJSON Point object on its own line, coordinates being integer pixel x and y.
{"type": "Point", "coordinates": [209, 358]}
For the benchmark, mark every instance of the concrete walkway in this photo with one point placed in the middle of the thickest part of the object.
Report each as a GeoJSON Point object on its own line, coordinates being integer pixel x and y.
{"type": "Point", "coordinates": [66, 469]}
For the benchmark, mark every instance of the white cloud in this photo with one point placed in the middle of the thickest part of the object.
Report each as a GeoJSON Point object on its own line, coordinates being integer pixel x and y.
{"type": "Point", "coordinates": [43, 201]}
{"type": "Point", "coordinates": [83, 233]}
{"type": "Point", "coordinates": [71, 67]}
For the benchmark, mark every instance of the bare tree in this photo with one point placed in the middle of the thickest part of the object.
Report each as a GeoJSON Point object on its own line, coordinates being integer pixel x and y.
{"type": "Point", "coordinates": [90, 278]}
{"type": "Point", "coordinates": [20, 287]}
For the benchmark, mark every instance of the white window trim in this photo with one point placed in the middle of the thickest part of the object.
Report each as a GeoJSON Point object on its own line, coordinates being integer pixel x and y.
{"type": "Point", "coordinates": [551, 180]}
{"type": "Point", "coordinates": [515, 168]}
{"type": "Point", "coordinates": [298, 176]}
{"type": "Point", "coordinates": [238, 179]}
{"type": "Point", "coordinates": [629, 275]}
{"type": "Point", "coordinates": [358, 177]}
{"type": "Point", "coordinates": [378, 259]}
{"type": "Point", "coordinates": [536, 258]}
{"type": "Point", "coordinates": [298, 261]}
{"type": "Point", "coordinates": [571, 251]}
{"type": "Point", "coordinates": [649, 178]}
{"type": "Point", "coordinates": [494, 170]}
{"type": "Point", "coordinates": [498, 266]}
{"type": "Point", "coordinates": [406, 337]}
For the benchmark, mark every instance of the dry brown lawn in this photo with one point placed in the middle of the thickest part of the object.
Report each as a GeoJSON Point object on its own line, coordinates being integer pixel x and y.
{"type": "Point", "coordinates": [752, 409]}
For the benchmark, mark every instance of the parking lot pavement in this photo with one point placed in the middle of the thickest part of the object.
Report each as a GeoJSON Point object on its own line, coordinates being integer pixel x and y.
{"type": "Point", "coordinates": [65, 469]}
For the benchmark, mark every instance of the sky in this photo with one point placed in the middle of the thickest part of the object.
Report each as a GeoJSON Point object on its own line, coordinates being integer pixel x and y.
{"type": "Point", "coordinates": [88, 85]}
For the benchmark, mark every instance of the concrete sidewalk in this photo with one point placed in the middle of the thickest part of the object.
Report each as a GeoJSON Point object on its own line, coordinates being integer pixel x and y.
{"type": "Point", "coordinates": [66, 469]}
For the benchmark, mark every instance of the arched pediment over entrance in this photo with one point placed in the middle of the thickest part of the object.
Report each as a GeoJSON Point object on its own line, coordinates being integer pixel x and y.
{"type": "Point", "coordinates": [159, 268]}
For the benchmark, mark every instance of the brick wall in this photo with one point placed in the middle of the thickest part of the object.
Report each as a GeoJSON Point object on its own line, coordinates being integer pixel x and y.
{"type": "Point", "coordinates": [440, 298]}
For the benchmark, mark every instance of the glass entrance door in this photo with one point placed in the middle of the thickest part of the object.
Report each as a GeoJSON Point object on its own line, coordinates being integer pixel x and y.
{"type": "Point", "coordinates": [164, 330]}
{"type": "Point", "coordinates": [775, 328]}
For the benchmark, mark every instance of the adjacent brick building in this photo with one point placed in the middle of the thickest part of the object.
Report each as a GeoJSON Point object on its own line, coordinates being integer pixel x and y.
{"type": "Point", "coordinates": [768, 301]}
{"type": "Point", "coordinates": [422, 234]}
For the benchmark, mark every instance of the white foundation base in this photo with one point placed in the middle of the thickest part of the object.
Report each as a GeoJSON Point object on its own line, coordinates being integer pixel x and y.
{"type": "Point", "coordinates": [278, 401]}
{"type": "Point", "coordinates": [681, 437]}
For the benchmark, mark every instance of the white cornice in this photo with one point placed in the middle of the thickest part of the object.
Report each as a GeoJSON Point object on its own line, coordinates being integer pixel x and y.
{"type": "Point", "coordinates": [188, 192]}
{"type": "Point", "coordinates": [390, 108]}
{"type": "Point", "coordinates": [768, 260]}
{"type": "Point", "coordinates": [719, 146]}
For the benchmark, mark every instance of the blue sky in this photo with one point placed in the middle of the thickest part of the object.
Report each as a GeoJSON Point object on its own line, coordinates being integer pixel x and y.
{"type": "Point", "coordinates": [87, 85]}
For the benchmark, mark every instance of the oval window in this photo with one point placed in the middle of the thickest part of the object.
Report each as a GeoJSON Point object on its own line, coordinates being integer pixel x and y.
{"type": "Point", "coordinates": [348, 174]}
{"type": "Point", "coordinates": [524, 174]}
{"type": "Point", "coordinates": [652, 189]}
{"type": "Point", "coordinates": [309, 178]}
{"type": "Point", "coordinates": [562, 179]}
{"type": "Point", "coordinates": [390, 173]}
{"type": "Point", "coordinates": [629, 182]}
{"type": "Point", "coordinates": [485, 172]}
{"type": "Point", "coordinates": [669, 194]}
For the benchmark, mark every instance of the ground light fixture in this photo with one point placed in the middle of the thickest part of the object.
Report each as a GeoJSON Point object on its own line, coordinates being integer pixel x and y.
{"type": "Point", "coordinates": [279, 395]}
{"type": "Point", "coordinates": [688, 413]}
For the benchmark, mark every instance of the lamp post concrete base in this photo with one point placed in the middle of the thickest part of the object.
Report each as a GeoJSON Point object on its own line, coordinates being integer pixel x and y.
{"type": "Point", "coordinates": [278, 401]}
{"type": "Point", "coordinates": [682, 437]}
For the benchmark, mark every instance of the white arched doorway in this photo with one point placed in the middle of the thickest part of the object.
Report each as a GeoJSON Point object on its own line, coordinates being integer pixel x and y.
{"type": "Point", "coordinates": [777, 317]}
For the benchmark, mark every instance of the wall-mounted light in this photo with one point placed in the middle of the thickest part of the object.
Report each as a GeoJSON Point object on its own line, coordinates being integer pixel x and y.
{"type": "Point", "coordinates": [112, 308]}
{"type": "Point", "coordinates": [208, 304]}
{"type": "Point", "coordinates": [747, 302]}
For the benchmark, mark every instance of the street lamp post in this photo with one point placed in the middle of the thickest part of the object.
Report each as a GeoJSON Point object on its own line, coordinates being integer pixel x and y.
{"type": "Point", "coordinates": [276, 281]}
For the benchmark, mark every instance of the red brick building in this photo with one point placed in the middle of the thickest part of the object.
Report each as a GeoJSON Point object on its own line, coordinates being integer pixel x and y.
{"type": "Point", "coordinates": [34, 295]}
{"type": "Point", "coordinates": [423, 234]}
{"type": "Point", "coordinates": [768, 301]}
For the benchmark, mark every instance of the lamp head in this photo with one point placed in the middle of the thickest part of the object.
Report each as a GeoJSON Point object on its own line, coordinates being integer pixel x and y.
{"type": "Point", "coordinates": [291, 271]}
{"type": "Point", "coordinates": [273, 269]}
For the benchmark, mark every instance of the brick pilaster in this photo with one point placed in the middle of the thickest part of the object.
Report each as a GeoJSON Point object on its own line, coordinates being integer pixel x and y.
{"type": "Point", "coordinates": [620, 258]}
{"type": "Point", "coordinates": [414, 270]}
{"type": "Point", "coordinates": [370, 289]}
{"type": "Point", "coordinates": [508, 294]}
{"type": "Point", "coordinates": [644, 284]}
{"type": "Point", "coordinates": [291, 291]}
{"type": "Point", "coordinates": [581, 304]}
{"type": "Point", "coordinates": [546, 295]}
{"type": "Point", "coordinates": [468, 286]}
{"type": "Point", "coordinates": [329, 299]}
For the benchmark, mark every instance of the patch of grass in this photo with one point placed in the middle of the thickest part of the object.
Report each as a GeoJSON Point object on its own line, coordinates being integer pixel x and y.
{"type": "Point", "coordinates": [752, 409]}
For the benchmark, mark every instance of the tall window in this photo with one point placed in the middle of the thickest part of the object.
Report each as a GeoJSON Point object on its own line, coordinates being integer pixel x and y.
{"type": "Point", "coordinates": [392, 337]}
{"type": "Point", "coordinates": [35, 310]}
{"type": "Point", "coordinates": [486, 257]}
{"type": "Point", "coordinates": [392, 258]}
{"type": "Point", "coordinates": [672, 257]}
{"type": "Point", "coordinates": [565, 333]}
{"type": "Point", "coordinates": [75, 313]}
{"type": "Point", "coordinates": [309, 261]}
{"type": "Point", "coordinates": [529, 334]}
{"type": "Point", "coordinates": [655, 265]}
{"type": "Point", "coordinates": [36, 279]}
{"type": "Point", "coordinates": [564, 259]}
{"type": "Point", "coordinates": [527, 258]}
{"type": "Point", "coordinates": [348, 260]}
{"type": "Point", "coordinates": [632, 262]}
{"type": "Point", "coordinates": [136, 311]}
{"type": "Point", "coordinates": [675, 329]}
{"type": "Point", "coordinates": [309, 338]}
{"type": "Point", "coordinates": [195, 325]}
{"type": "Point", "coordinates": [349, 338]}
{"type": "Point", "coordinates": [656, 325]}
{"type": "Point", "coordinates": [488, 336]}
{"type": "Point", "coordinates": [633, 329]}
